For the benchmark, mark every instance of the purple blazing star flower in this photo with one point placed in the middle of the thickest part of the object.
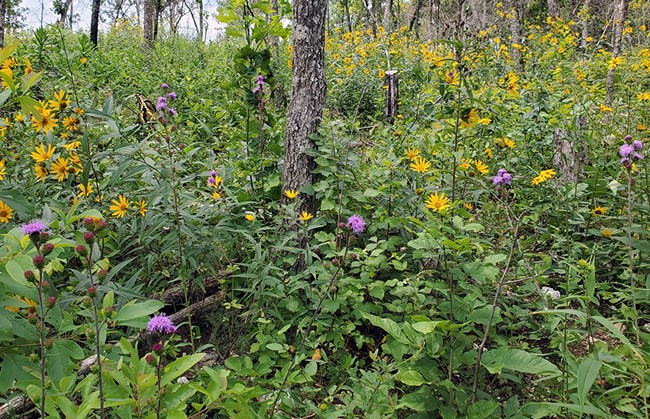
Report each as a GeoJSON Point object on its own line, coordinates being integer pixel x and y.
{"type": "Point", "coordinates": [638, 145]}
{"type": "Point", "coordinates": [637, 156]}
{"type": "Point", "coordinates": [260, 80]}
{"type": "Point", "coordinates": [162, 103]}
{"type": "Point", "coordinates": [34, 227]}
{"type": "Point", "coordinates": [160, 323]}
{"type": "Point", "coordinates": [172, 95]}
{"type": "Point", "coordinates": [357, 224]}
{"type": "Point", "coordinates": [164, 86]}
{"type": "Point", "coordinates": [211, 180]}
{"type": "Point", "coordinates": [172, 111]}
{"type": "Point", "coordinates": [502, 177]}
{"type": "Point", "coordinates": [626, 150]}
{"type": "Point", "coordinates": [213, 173]}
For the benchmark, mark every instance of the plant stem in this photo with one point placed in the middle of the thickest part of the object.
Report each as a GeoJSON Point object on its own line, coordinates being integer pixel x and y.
{"type": "Point", "coordinates": [486, 334]}
{"type": "Point", "coordinates": [630, 255]}
{"type": "Point", "coordinates": [158, 370]}
{"type": "Point", "coordinates": [97, 337]}
{"type": "Point", "coordinates": [41, 330]}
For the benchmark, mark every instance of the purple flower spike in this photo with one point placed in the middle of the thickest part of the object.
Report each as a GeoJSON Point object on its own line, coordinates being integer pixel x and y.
{"type": "Point", "coordinates": [172, 111]}
{"type": "Point", "coordinates": [497, 180]}
{"type": "Point", "coordinates": [507, 178]}
{"type": "Point", "coordinates": [637, 156]}
{"type": "Point", "coordinates": [34, 227]}
{"type": "Point", "coordinates": [162, 103]}
{"type": "Point", "coordinates": [260, 80]}
{"type": "Point", "coordinates": [638, 145]}
{"type": "Point", "coordinates": [164, 86]}
{"type": "Point", "coordinates": [626, 150]}
{"type": "Point", "coordinates": [213, 173]}
{"type": "Point", "coordinates": [357, 224]}
{"type": "Point", "coordinates": [160, 323]}
{"type": "Point", "coordinates": [172, 95]}
{"type": "Point", "coordinates": [211, 180]}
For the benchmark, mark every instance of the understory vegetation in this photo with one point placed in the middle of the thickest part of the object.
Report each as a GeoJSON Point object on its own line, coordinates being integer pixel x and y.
{"type": "Point", "coordinates": [484, 255]}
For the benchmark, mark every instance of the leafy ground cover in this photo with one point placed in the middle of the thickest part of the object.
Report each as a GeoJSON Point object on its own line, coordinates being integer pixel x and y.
{"type": "Point", "coordinates": [486, 255]}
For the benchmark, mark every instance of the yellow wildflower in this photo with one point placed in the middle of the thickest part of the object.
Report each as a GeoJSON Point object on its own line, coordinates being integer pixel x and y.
{"type": "Point", "coordinates": [305, 216]}
{"type": "Point", "coordinates": [437, 202]}
{"type": "Point", "coordinates": [86, 189]}
{"type": "Point", "coordinates": [40, 171]}
{"type": "Point", "coordinates": [249, 216]}
{"type": "Point", "coordinates": [119, 207]}
{"type": "Point", "coordinates": [3, 170]}
{"type": "Point", "coordinates": [60, 169]}
{"type": "Point", "coordinates": [420, 165]}
{"type": "Point", "coordinates": [291, 194]}
{"type": "Point", "coordinates": [142, 207]}
{"type": "Point", "coordinates": [60, 101]}
{"type": "Point", "coordinates": [411, 153]}
{"type": "Point", "coordinates": [41, 155]}
{"type": "Point", "coordinates": [599, 210]}
{"type": "Point", "coordinates": [5, 212]}
{"type": "Point", "coordinates": [482, 167]}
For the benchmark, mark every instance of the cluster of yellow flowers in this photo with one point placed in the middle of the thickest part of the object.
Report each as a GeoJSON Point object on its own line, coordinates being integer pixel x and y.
{"type": "Point", "coordinates": [121, 205]}
{"type": "Point", "coordinates": [543, 176]}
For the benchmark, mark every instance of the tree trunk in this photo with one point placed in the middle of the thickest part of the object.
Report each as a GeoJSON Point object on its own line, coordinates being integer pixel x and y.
{"type": "Point", "coordinates": [63, 13]}
{"type": "Point", "coordinates": [584, 21]}
{"type": "Point", "coordinates": [147, 23]}
{"type": "Point", "coordinates": [3, 21]}
{"type": "Point", "coordinates": [553, 8]}
{"type": "Point", "coordinates": [307, 96]}
{"type": "Point", "coordinates": [94, 21]}
{"type": "Point", "coordinates": [414, 18]}
{"type": "Point", "coordinates": [392, 96]}
{"type": "Point", "coordinates": [619, 20]}
{"type": "Point", "coordinates": [348, 20]}
{"type": "Point", "coordinates": [388, 16]}
{"type": "Point", "coordinates": [201, 29]}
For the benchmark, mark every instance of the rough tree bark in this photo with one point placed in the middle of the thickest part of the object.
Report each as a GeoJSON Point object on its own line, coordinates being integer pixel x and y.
{"type": "Point", "coordinates": [94, 21]}
{"type": "Point", "coordinates": [307, 96]}
{"type": "Point", "coordinates": [584, 22]}
{"type": "Point", "coordinates": [553, 8]}
{"type": "Point", "coordinates": [388, 16]}
{"type": "Point", "coordinates": [147, 23]}
{"type": "Point", "coordinates": [3, 21]}
{"type": "Point", "coordinates": [619, 20]}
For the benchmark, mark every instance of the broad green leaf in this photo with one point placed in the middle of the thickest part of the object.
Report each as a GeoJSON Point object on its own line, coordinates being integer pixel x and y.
{"type": "Point", "coordinates": [135, 311]}
{"type": "Point", "coordinates": [389, 326]}
{"type": "Point", "coordinates": [61, 357]}
{"type": "Point", "coordinates": [179, 367]}
{"type": "Point", "coordinates": [410, 377]}
{"type": "Point", "coordinates": [427, 327]}
{"type": "Point", "coordinates": [620, 336]}
{"type": "Point", "coordinates": [496, 360]}
{"type": "Point", "coordinates": [547, 409]}
{"type": "Point", "coordinates": [587, 373]}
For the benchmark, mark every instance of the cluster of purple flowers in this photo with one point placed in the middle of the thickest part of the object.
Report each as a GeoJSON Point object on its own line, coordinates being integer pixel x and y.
{"type": "Point", "coordinates": [260, 84]}
{"type": "Point", "coordinates": [630, 152]}
{"type": "Point", "coordinates": [160, 323]}
{"type": "Point", "coordinates": [356, 224]}
{"type": "Point", "coordinates": [502, 178]}
{"type": "Point", "coordinates": [33, 228]}
{"type": "Point", "coordinates": [162, 104]}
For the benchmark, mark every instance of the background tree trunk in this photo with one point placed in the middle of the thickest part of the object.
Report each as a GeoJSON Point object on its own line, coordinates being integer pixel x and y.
{"type": "Point", "coordinates": [3, 15]}
{"type": "Point", "coordinates": [307, 96]}
{"type": "Point", "coordinates": [388, 16]}
{"type": "Point", "coordinates": [619, 20]}
{"type": "Point", "coordinates": [553, 8]}
{"type": "Point", "coordinates": [94, 21]}
{"type": "Point", "coordinates": [147, 23]}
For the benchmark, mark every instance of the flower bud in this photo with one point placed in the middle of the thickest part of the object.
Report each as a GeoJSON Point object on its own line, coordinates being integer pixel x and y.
{"type": "Point", "coordinates": [87, 301]}
{"type": "Point", "coordinates": [335, 262]}
{"type": "Point", "coordinates": [51, 301]}
{"type": "Point", "coordinates": [47, 249]}
{"type": "Point", "coordinates": [39, 261]}
{"type": "Point", "coordinates": [110, 310]}
{"type": "Point", "coordinates": [89, 237]}
{"type": "Point", "coordinates": [102, 274]}
{"type": "Point", "coordinates": [29, 274]}
{"type": "Point", "coordinates": [150, 359]}
{"type": "Point", "coordinates": [101, 224]}
{"type": "Point", "coordinates": [49, 343]}
{"type": "Point", "coordinates": [44, 236]}
{"type": "Point", "coordinates": [81, 249]}
{"type": "Point", "coordinates": [157, 347]}
{"type": "Point", "coordinates": [92, 291]}
{"type": "Point", "coordinates": [31, 317]}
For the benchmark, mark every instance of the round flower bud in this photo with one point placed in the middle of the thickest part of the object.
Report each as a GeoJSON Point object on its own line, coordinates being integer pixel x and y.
{"type": "Point", "coordinates": [45, 236]}
{"type": "Point", "coordinates": [51, 300]}
{"type": "Point", "coordinates": [157, 347]}
{"type": "Point", "coordinates": [91, 291]}
{"type": "Point", "coordinates": [47, 249]}
{"type": "Point", "coordinates": [102, 274]}
{"type": "Point", "coordinates": [81, 249]}
{"type": "Point", "coordinates": [31, 317]}
{"type": "Point", "coordinates": [39, 261]}
{"type": "Point", "coordinates": [29, 274]}
{"type": "Point", "coordinates": [89, 237]}
{"type": "Point", "coordinates": [49, 343]}
{"type": "Point", "coordinates": [335, 262]}
{"type": "Point", "coordinates": [150, 359]}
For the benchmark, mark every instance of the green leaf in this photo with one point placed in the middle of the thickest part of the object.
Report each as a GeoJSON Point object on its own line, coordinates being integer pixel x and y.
{"type": "Point", "coordinates": [132, 313]}
{"type": "Point", "coordinates": [482, 409]}
{"type": "Point", "coordinates": [311, 368]}
{"type": "Point", "coordinates": [496, 360]}
{"type": "Point", "coordinates": [60, 358]}
{"type": "Point", "coordinates": [410, 377]}
{"type": "Point", "coordinates": [428, 326]}
{"type": "Point", "coordinates": [544, 409]}
{"type": "Point", "coordinates": [620, 336]}
{"type": "Point", "coordinates": [420, 401]}
{"type": "Point", "coordinates": [587, 373]}
{"type": "Point", "coordinates": [389, 326]}
{"type": "Point", "coordinates": [179, 367]}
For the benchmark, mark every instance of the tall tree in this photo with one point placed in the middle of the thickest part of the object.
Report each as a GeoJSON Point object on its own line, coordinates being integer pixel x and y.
{"type": "Point", "coordinates": [307, 95]}
{"type": "Point", "coordinates": [94, 21]}
{"type": "Point", "coordinates": [620, 11]}
{"type": "Point", "coordinates": [3, 14]}
{"type": "Point", "coordinates": [147, 23]}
